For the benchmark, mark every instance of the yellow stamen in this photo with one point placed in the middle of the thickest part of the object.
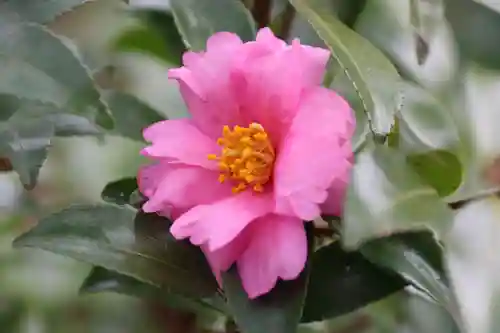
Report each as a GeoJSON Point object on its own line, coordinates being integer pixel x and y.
{"type": "Point", "coordinates": [247, 157]}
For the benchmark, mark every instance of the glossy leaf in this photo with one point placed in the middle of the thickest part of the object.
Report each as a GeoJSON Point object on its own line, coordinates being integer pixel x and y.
{"type": "Point", "coordinates": [492, 4]}
{"type": "Point", "coordinates": [119, 191]}
{"type": "Point", "coordinates": [441, 169]}
{"type": "Point", "coordinates": [363, 64]}
{"type": "Point", "coordinates": [117, 239]}
{"type": "Point", "coordinates": [102, 280]}
{"type": "Point", "coordinates": [414, 34]}
{"type": "Point", "coordinates": [341, 282]}
{"type": "Point", "coordinates": [385, 196]}
{"type": "Point", "coordinates": [65, 124]}
{"type": "Point", "coordinates": [27, 130]}
{"type": "Point", "coordinates": [156, 36]}
{"type": "Point", "coordinates": [278, 311]}
{"type": "Point", "coordinates": [131, 115]}
{"type": "Point", "coordinates": [40, 11]}
{"type": "Point", "coordinates": [53, 74]}
{"type": "Point", "coordinates": [429, 135]}
{"type": "Point", "coordinates": [475, 27]}
{"type": "Point", "coordinates": [25, 144]}
{"type": "Point", "coordinates": [417, 257]}
{"type": "Point", "coordinates": [198, 20]}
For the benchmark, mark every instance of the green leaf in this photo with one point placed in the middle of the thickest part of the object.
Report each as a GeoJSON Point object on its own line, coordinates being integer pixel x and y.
{"type": "Point", "coordinates": [341, 282]}
{"type": "Point", "coordinates": [64, 124]}
{"type": "Point", "coordinates": [429, 135]}
{"type": "Point", "coordinates": [131, 115]}
{"type": "Point", "coordinates": [118, 239]}
{"type": "Point", "coordinates": [25, 144]}
{"type": "Point", "coordinates": [120, 191]}
{"type": "Point", "coordinates": [40, 11]}
{"type": "Point", "coordinates": [385, 195]}
{"type": "Point", "coordinates": [198, 20]}
{"type": "Point", "coordinates": [103, 280]}
{"type": "Point", "coordinates": [279, 311]}
{"type": "Point", "coordinates": [492, 4]}
{"type": "Point", "coordinates": [441, 169]}
{"type": "Point", "coordinates": [418, 258]}
{"type": "Point", "coordinates": [415, 36]}
{"type": "Point", "coordinates": [27, 130]}
{"type": "Point", "coordinates": [364, 65]}
{"type": "Point", "coordinates": [53, 74]}
{"type": "Point", "coordinates": [157, 36]}
{"type": "Point", "coordinates": [475, 27]}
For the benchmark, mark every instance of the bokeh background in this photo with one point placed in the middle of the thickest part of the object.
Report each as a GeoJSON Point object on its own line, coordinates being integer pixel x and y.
{"type": "Point", "coordinates": [39, 291]}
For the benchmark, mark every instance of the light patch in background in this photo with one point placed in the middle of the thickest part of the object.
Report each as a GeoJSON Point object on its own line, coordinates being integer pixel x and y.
{"type": "Point", "coordinates": [160, 4]}
{"type": "Point", "coordinates": [472, 249]}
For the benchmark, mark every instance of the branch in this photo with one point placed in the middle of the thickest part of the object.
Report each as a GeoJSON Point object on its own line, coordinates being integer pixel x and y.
{"type": "Point", "coordinates": [261, 12]}
{"type": "Point", "coordinates": [286, 21]}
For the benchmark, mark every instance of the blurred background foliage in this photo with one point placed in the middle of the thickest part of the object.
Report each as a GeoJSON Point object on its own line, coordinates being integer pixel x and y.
{"type": "Point", "coordinates": [449, 47]}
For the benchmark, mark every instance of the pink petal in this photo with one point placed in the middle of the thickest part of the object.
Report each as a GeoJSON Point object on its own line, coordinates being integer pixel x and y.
{"type": "Point", "coordinates": [222, 259]}
{"type": "Point", "coordinates": [205, 85]}
{"type": "Point", "coordinates": [313, 154]}
{"type": "Point", "coordinates": [185, 187]}
{"type": "Point", "coordinates": [150, 176]}
{"type": "Point", "coordinates": [277, 249]}
{"type": "Point", "coordinates": [180, 141]}
{"type": "Point", "coordinates": [216, 225]}
{"type": "Point", "coordinates": [266, 37]}
{"type": "Point", "coordinates": [275, 83]}
{"type": "Point", "coordinates": [334, 203]}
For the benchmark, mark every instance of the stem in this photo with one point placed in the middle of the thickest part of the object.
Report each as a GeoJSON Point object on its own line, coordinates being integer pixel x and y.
{"type": "Point", "coordinates": [261, 12]}
{"type": "Point", "coordinates": [287, 20]}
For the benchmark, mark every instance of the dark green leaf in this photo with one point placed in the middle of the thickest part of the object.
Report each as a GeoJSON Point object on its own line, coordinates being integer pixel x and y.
{"type": "Point", "coordinates": [54, 73]}
{"type": "Point", "coordinates": [279, 311]}
{"type": "Point", "coordinates": [8, 106]}
{"type": "Point", "coordinates": [131, 115]}
{"type": "Point", "coordinates": [475, 27]}
{"type": "Point", "coordinates": [363, 64]}
{"type": "Point", "coordinates": [341, 282]}
{"type": "Point", "coordinates": [120, 191]}
{"type": "Point", "coordinates": [40, 11]}
{"type": "Point", "coordinates": [64, 124]}
{"type": "Point", "coordinates": [117, 239]}
{"type": "Point", "coordinates": [157, 36]}
{"type": "Point", "coordinates": [103, 280]}
{"type": "Point", "coordinates": [25, 144]}
{"type": "Point", "coordinates": [385, 195]}
{"type": "Point", "coordinates": [198, 20]}
{"type": "Point", "coordinates": [415, 256]}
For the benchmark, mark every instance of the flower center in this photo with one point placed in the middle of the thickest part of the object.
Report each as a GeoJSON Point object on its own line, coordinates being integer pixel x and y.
{"type": "Point", "coordinates": [247, 157]}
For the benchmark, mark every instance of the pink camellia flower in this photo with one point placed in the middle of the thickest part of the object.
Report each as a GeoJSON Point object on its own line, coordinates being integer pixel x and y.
{"type": "Point", "coordinates": [266, 148]}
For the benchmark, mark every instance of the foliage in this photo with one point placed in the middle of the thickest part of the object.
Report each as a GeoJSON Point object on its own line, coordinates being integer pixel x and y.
{"type": "Point", "coordinates": [418, 157]}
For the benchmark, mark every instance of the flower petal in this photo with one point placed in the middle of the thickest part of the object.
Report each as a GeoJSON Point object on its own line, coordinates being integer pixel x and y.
{"type": "Point", "coordinates": [277, 249]}
{"type": "Point", "coordinates": [219, 223]}
{"type": "Point", "coordinates": [315, 152]}
{"type": "Point", "coordinates": [222, 259]}
{"type": "Point", "coordinates": [184, 187]}
{"type": "Point", "coordinates": [205, 83]}
{"type": "Point", "coordinates": [180, 141]}
{"type": "Point", "coordinates": [275, 83]}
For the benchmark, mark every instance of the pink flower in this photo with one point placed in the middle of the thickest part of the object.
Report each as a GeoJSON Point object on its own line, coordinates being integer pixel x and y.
{"type": "Point", "coordinates": [266, 148]}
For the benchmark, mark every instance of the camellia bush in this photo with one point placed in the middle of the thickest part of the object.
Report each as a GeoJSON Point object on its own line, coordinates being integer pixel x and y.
{"type": "Point", "coordinates": [319, 169]}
